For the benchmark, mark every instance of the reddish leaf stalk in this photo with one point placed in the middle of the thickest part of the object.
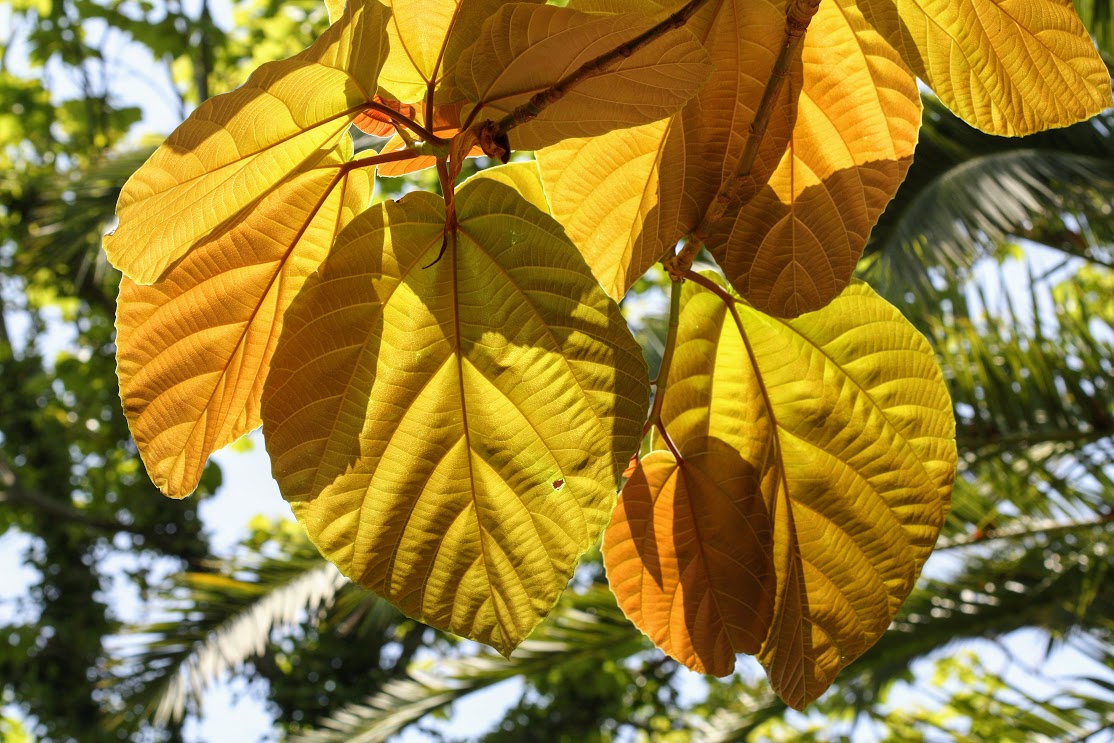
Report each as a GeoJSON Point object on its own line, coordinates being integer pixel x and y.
{"type": "Point", "coordinates": [407, 122]}
{"type": "Point", "coordinates": [666, 357]}
{"type": "Point", "coordinates": [797, 18]}
{"type": "Point", "coordinates": [377, 159]}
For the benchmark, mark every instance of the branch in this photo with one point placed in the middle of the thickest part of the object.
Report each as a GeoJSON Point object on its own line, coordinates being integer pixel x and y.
{"type": "Point", "coordinates": [797, 18]}
{"type": "Point", "coordinates": [496, 130]}
{"type": "Point", "coordinates": [12, 492]}
{"type": "Point", "coordinates": [1024, 529]}
{"type": "Point", "coordinates": [666, 357]}
{"type": "Point", "coordinates": [407, 122]}
{"type": "Point", "coordinates": [377, 159]}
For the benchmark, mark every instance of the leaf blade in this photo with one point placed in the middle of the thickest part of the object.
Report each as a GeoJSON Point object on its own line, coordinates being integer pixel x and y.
{"type": "Point", "coordinates": [466, 424]}
{"type": "Point", "coordinates": [1008, 68]}
{"type": "Point", "coordinates": [525, 49]}
{"type": "Point", "coordinates": [238, 147]}
{"type": "Point", "coordinates": [793, 246]}
{"type": "Point", "coordinates": [192, 363]}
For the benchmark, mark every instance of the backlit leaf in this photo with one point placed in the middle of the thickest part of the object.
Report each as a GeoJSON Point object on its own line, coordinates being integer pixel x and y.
{"type": "Point", "coordinates": [452, 436]}
{"type": "Point", "coordinates": [602, 193]}
{"type": "Point", "coordinates": [844, 420]}
{"type": "Point", "coordinates": [522, 177]}
{"type": "Point", "coordinates": [688, 555]}
{"type": "Point", "coordinates": [524, 49]}
{"type": "Point", "coordinates": [649, 186]}
{"type": "Point", "coordinates": [193, 349]}
{"type": "Point", "coordinates": [794, 245]}
{"type": "Point", "coordinates": [427, 38]}
{"type": "Point", "coordinates": [1008, 67]}
{"type": "Point", "coordinates": [237, 148]}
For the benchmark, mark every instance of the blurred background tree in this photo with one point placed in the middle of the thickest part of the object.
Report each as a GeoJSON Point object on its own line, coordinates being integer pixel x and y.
{"type": "Point", "coordinates": [1001, 251]}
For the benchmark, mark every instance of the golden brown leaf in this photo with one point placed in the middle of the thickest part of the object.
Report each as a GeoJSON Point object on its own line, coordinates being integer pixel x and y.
{"type": "Point", "coordinates": [793, 246]}
{"type": "Point", "coordinates": [193, 350]}
{"type": "Point", "coordinates": [688, 555]}
{"type": "Point", "coordinates": [525, 49]}
{"type": "Point", "coordinates": [237, 148]}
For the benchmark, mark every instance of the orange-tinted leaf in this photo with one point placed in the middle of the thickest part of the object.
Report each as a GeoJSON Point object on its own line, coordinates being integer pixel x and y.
{"type": "Point", "coordinates": [793, 246]}
{"type": "Point", "coordinates": [379, 124]}
{"type": "Point", "coordinates": [524, 49]}
{"type": "Point", "coordinates": [193, 350]}
{"type": "Point", "coordinates": [237, 148]}
{"type": "Point", "coordinates": [628, 196]}
{"type": "Point", "coordinates": [688, 555]}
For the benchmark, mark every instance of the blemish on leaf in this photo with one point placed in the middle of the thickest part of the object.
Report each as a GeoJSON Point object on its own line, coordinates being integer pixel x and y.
{"type": "Point", "coordinates": [558, 484]}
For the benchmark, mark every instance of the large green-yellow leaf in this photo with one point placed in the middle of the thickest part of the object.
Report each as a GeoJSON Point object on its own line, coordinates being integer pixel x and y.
{"type": "Point", "coordinates": [1008, 67]}
{"type": "Point", "coordinates": [524, 49]}
{"type": "Point", "coordinates": [427, 38]}
{"type": "Point", "coordinates": [688, 555]}
{"type": "Point", "coordinates": [237, 148]}
{"type": "Point", "coordinates": [844, 424]}
{"type": "Point", "coordinates": [793, 246]}
{"type": "Point", "coordinates": [193, 350]}
{"type": "Point", "coordinates": [522, 177]}
{"type": "Point", "coordinates": [452, 436]}
{"type": "Point", "coordinates": [628, 196]}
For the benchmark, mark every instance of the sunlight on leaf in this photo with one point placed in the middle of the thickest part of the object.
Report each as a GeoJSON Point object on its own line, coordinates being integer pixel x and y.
{"type": "Point", "coordinates": [794, 245]}
{"type": "Point", "coordinates": [427, 38]}
{"type": "Point", "coordinates": [1008, 67]}
{"type": "Point", "coordinates": [525, 49]}
{"type": "Point", "coordinates": [628, 196]}
{"type": "Point", "coordinates": [844, 427]}
{"type": "Point", "coordinates": [688, 555]}
{"type": "Point", "coordinates": [418, 418]}
{"type": "Point", "coordinates": [237, 148]}
{"type": "Point", "coordinates": [191, 362]}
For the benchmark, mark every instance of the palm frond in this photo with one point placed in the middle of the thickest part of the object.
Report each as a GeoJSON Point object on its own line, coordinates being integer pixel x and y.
{"type": "Point", "coordinates": [587, 625]}
{"type": "Point", "coordinates": [968, 194]}
{"type": "Point", "coordinates": [217, 621]}
{"type": "Point", "coordinates": [62, 216]}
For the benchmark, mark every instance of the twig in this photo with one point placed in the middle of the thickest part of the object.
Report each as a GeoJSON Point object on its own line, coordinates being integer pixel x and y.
{"type": "Point", "coordinates": [407, 122]}
{"type": "Point", "coordinates": [390, 157]}
{"type": "Point", "coordinates": [797, 18]}
{"type": "Point", "coordinates": [666, 358]}
{"type": "Point", "coordinates": [1032, 528]}
{"type": "Point", "coordinates": [540, 101]}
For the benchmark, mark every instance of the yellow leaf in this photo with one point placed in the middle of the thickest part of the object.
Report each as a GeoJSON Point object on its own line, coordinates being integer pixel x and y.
{"type": "Point", "coordinates": [794, 245]}
{"type": "Point", "coordinates": [335, 8]}
{"type": "Point", "coordinates": [688, 555]}
{"type": "Point", "coordinates": [427, 38]}
{"type": "Point", "coordinates": [237, 148]}
{"type": "Point", "coordinates": [649, 186]}
{"type": "Point", "coordinates": [524, 49]}
{"type": "Point", "coordinates": [1008, 67]}
{"type": "Point", "coordinates": [522, 177]}
{"type": "Point", "coordinates": [844, 420]}
{"type": "Point", "coordinates": [607, 193]}
{"type": "Point", "coordinates": [193, 349]}
{"type": "Point", "coordinates": [452, 437]}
